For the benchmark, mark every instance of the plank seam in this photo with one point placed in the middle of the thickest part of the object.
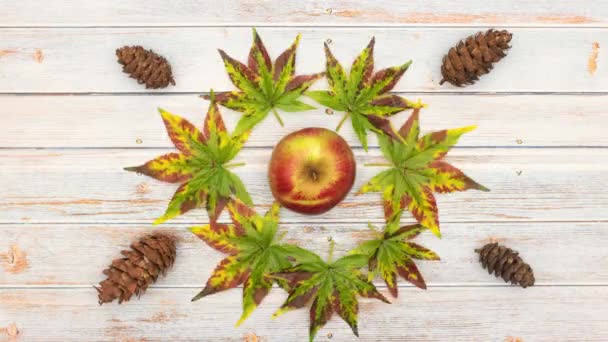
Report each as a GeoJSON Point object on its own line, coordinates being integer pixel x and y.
{"type": "Point", "coordinates": [314, 25]}
{"type": "Point", "coordinates": [308, 223]}
{"type": "Point", "coordinates": [263, 147]}
{"type": "Point", "coordinates": [401, 92]}
{"type": "Point", "coordinates": [380, 286]}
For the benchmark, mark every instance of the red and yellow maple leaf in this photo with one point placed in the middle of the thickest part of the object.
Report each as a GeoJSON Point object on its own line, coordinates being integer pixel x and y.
{"type": "Point", "coordinates": [331, 287]}
{"type": "Point", "coordinates": [392, 254]}
{"type": "Point", "coordinates": [264, 86]}
{"type": "Point", "coordinates": [254, 252]}
{"type": "Point", "coordinates": [363, 94]}
{"type": "Point", "coordinates": [201, 166]}
{"type": "Point", "coordinates": [416, 171]}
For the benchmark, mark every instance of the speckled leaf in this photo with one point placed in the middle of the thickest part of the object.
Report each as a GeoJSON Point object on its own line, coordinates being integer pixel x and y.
{"type": "Point", "coordinates": [391, 252]}
{"type": "Point", "coordinates": [434, 146]}
{"type": "Point", "coordinates": [332, 287]}
{"type": "Point", "coordinates": [228, 274]}
{"type": "Point", "coordinates": [255, 252]}
{"type": "Point", "coordinates": [361, 71]}
{"type": "Point", "coordinates": [416, 171]}
{"type": "Point", "coordinates": [187, 197]}
{"type": "Point", "coordinates": [219, 236]}
{"type": "Point", "coordinates": [264, 86]}
{"type": "Point", "coordinates": [444, 177]}
{"type": "Point", "coordinates": [259, 60]}
{"type": "Point", "coordinates": [336, 76]}
{"type": "Point", "coordinates": [170, 167]}
{"type": "Point", "coordinates": [202, 167]}
{"type": "Point", "coordinates": [184, 135]}
{"type": "Point", "coordinates": [361, 94]}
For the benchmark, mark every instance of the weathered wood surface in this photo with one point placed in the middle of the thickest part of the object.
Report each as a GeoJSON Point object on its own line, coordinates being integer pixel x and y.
{"type": "Point", "coordinates": [49, 250]}
{"type": "Point", "coordinates": [67, 207]}
{"type": "Point", "coordinates": [309, 13]}
{"type": "Point", "coordinates": [133, 120]}
{"type": "Point", "coordinates": [438, 314]}
{"type": "Point", "coordinates": [90, 186]}
{"type": "Point", "coordinates": [82, 60]}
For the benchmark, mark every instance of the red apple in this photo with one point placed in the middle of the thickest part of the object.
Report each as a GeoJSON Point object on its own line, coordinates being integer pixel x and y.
{"type": "Point", "coordinates": [311, 170]}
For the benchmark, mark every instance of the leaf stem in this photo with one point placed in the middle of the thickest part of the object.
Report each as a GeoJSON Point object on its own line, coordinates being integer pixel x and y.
{"type": "Point", "coordinates": [276, 115]}
{"type": "Point", "coordinates": [342, 121]}
{"type": "Point", "coordinates": [233, 165]}
{"type": "Point", "coordinates": [378, 164]}
{"type": "Point", "coordinates": [281, 236]}
{"type": "Point", "coordinates": [332, 244]}
{"type": "Point", "coordinates": [373, 228]}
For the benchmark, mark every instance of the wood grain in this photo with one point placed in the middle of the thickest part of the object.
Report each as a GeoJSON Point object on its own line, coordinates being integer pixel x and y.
{"type": "Point", "coordinates": [67, 207]}
{"type": "Point", "coordinates": [438, 314]}
{"type": "Point", "coordinates": [133, 120]}
{"type": "Point", "coordinates": [82, 60]}
{"type": "Point", "coordinates": [315, 12]}
{"type": "Point", "coordinates": [90, 186]}
{"type": "Point", "coordinates": [51, 251]}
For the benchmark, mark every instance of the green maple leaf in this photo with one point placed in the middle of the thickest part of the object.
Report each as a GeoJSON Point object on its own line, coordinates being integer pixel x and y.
{"type": "Point", "coordinates": [264, 86]}
{"type": "Point", "coordinates": [202, 165]}
{"type": "Point", "coordinates": [331, 286]}
{"type": "Point", "coordinates": [362, 94]}
{"type": "Point", "coordinates": [391, 253]}
{"type": "Point", "coordinates": [254, 252]}
{"type": "Point", "coordinates": [416, 170]}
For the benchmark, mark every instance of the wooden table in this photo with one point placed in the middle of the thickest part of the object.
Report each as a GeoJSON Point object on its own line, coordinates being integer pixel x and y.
{"type": "Point", "coordinates": [71, 120]}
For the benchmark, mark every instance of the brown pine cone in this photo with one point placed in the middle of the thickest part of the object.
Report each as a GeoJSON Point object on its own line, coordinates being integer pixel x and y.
{"type": "Point", "coordinates": [474, 57]}
{"type": "Point", "coordinates": [145, 66]}
{"type": "Point", "coordinates": [150, 256]}
{"type": "Point", "coordinates": [506, 263]}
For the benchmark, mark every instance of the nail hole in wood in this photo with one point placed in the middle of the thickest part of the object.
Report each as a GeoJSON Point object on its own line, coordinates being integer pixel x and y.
{"type": "Point", "coordinates": [328, 10]}
{"type": "Point", "coordinates": [519, 172]}
{"type": "Point", "coordinates": [330, 335]}
{"type": "Point", "coordinates": [329, 238]}
{"type": "Point", "coordinates": [519, 141]}
{"type": "Point", "coordinates": [329, 111]}
{"type": "Point", "coordinates": [138, 141]}
{"type": "Point", "coordinates": [328, 41]}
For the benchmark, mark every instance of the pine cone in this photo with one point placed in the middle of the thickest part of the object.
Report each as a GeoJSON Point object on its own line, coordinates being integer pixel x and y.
{"type": "Point", "coordinates": [145, 66]}
{"type": "Point", "coordinates": [474, 57]}
{"type": "Point", "coordinates": [506, 263]}
{"type": "Point", "coordinates": [152, 255]}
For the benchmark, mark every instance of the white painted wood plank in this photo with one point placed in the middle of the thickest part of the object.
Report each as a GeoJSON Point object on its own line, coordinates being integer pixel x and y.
{"type": "Point", "coordinates": [82, 59]}
{"type": "Point", "coordinates": [133, 121]}
{"type": "Point", "coordinates": [48, 250]}
{"type": "Point", "coordinates": [438, 314]}
{"type": "Point", "coordinates": [326, 12]}
{"type": "Point", "coordinates": [90, 186]}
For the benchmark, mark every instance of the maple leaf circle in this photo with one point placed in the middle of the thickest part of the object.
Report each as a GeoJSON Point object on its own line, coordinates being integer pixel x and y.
{"type": "Point", "coordinates": [256, 257]}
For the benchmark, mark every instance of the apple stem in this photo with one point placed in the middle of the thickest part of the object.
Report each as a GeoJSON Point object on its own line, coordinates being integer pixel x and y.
{"type": "Point", "coordinates": [230, 166]}
{"type": "Point", "coordinates": [378, 164]}
{"type": "Point", "coordinates": [276, 115]}
{"type": "Point", "coordinates": [342, 121]}
{"type": "Point", "coordinates": [332, 243]}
